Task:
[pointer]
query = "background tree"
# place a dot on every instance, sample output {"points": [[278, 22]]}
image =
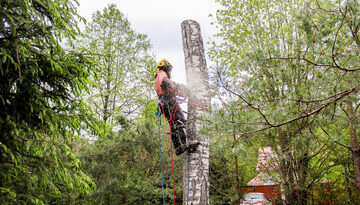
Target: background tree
{"points": [[232, 162], [125, 71], [124, 162], [40, 105], [297, 62], [125, 165]]}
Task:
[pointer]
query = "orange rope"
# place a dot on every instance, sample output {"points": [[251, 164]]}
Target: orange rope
{"points": [[172, 156]]}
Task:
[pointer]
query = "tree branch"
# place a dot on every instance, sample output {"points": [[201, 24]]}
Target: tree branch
{"points": [[243, 99], [310, 62], [308, 114]]}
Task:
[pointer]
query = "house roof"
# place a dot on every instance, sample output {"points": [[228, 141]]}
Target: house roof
{"points": [[265, 162], [266, 159]]}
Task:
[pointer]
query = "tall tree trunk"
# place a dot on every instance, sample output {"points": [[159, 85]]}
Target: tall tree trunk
{"points": [[286, 169], [106, 112], [347, 173], [355, 149], [196, 176], [237, 177], [236, 161], [303, 166], [108, 80]]}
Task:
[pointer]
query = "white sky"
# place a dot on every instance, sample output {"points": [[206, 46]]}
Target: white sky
{"points": [[160, 20]]}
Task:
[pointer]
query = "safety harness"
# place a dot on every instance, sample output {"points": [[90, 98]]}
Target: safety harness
{"points": [[172, 113]]}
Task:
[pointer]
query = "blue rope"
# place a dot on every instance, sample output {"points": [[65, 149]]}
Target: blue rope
{"points": [[162, 177], [187, 200]]}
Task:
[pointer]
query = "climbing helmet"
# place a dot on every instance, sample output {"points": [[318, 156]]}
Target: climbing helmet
{"points": [[164, 65]]}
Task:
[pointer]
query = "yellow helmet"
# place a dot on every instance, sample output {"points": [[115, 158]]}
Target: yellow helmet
{"points": [[164, 65]]}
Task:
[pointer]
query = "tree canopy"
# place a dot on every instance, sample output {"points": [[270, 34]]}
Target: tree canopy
{"points": [[40, 106], [290, 68], [125, 65]]}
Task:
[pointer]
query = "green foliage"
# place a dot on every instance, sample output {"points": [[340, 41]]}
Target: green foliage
{"points": [[125, 70], [126, 168], [40, 104], [287, 68], [232, 162], [224, 173], [123, 161]]}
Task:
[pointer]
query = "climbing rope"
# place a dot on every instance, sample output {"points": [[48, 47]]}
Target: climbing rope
{"points": [[162, 176], [188, 179], [172, 113], [172, 166], [172, 156]]}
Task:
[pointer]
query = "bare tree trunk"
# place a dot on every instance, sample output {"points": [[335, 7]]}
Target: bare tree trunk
{"points": [[236, 161], [106, 112], [106, 101], [237, 177], [196, 178], [286, 169], [355, 149], [303, 166]]}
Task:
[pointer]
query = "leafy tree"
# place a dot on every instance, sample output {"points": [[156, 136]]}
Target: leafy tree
{"points": [[125, 71], [125, 165], [40, 105], [297, 62], [232, 163]]}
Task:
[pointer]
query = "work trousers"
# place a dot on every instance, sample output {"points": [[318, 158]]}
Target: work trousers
{"points": [[173, 113]]}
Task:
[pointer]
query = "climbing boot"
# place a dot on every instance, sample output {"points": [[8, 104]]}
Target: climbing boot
{"points": [[179, 150], [191, 147], [193, 144]]}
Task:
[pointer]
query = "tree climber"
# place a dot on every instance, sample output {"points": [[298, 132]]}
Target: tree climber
{"points": [[167, 90]]}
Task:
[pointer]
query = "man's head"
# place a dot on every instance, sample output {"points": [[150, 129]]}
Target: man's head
{"points": [[165, 66]]}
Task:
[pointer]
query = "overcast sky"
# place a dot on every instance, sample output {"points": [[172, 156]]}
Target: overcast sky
{"points": [[160, 20]]}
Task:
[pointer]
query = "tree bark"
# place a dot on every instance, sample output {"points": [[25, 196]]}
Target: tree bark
{"points": [[196, 176], [355, 149], [286, 169], [303, 166], [237, 177], [236, 161]]}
